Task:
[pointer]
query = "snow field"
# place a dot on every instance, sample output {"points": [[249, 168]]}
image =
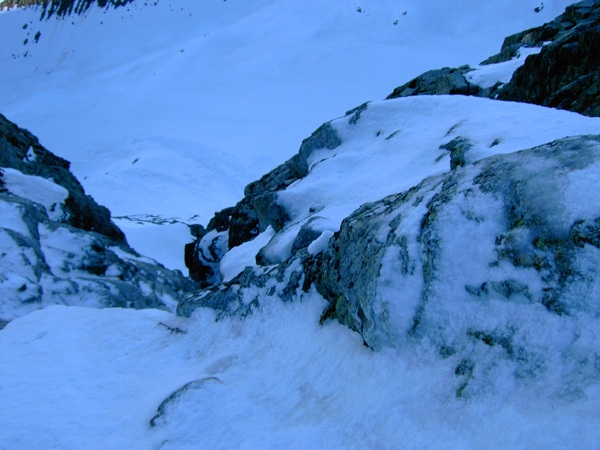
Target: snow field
{"points": [[277, 379]]}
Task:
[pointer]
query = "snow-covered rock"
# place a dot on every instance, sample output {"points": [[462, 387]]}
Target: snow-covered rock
{"points": [[552, 65], [496, 261], [57, 246], [485, 233], [381, 148], [565, 73]]}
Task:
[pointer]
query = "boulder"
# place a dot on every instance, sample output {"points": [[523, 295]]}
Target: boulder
{"points": [[506, 246], [444, 81], [475, 259]]}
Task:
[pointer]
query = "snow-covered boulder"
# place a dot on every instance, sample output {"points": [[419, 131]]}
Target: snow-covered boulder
{"points": [[494, 265], [499, 258], [57, 246], [22, 151]]}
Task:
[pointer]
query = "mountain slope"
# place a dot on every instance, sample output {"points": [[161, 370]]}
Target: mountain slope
{"points": [[422, 273], [182, 84]]}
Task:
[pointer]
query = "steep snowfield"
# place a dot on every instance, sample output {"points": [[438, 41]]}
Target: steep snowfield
{"points": [[249, 78]]}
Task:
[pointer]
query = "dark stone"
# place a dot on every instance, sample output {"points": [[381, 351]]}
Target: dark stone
{"points": [[438, 82], [458, 148], [306, 236], [566, 73], [323, 137], [220, 220], [197, 230], [83, 212]]}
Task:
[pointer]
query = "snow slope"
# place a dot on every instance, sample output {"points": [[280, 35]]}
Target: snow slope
{"points": [[276, 380], [171, 82]]}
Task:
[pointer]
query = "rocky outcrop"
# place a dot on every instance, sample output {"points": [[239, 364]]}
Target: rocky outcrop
{"points": [[57, 246], [258, 209], [64, 7], [505, 246], [21, 150], [564, 75], [444, 81]]}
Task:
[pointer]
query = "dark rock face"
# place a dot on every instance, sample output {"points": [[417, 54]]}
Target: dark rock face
{"points": [[64, 7], [259, 208], [57, 246], [21, 150], [566, 73], [444, 81]]}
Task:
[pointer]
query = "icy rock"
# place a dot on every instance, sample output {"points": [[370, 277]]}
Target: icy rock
{"points": [[438, 82], [504, 249]]}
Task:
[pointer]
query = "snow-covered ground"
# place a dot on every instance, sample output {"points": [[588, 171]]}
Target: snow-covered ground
{"points": [[167, 112], [194, 100], [84, 378]]}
